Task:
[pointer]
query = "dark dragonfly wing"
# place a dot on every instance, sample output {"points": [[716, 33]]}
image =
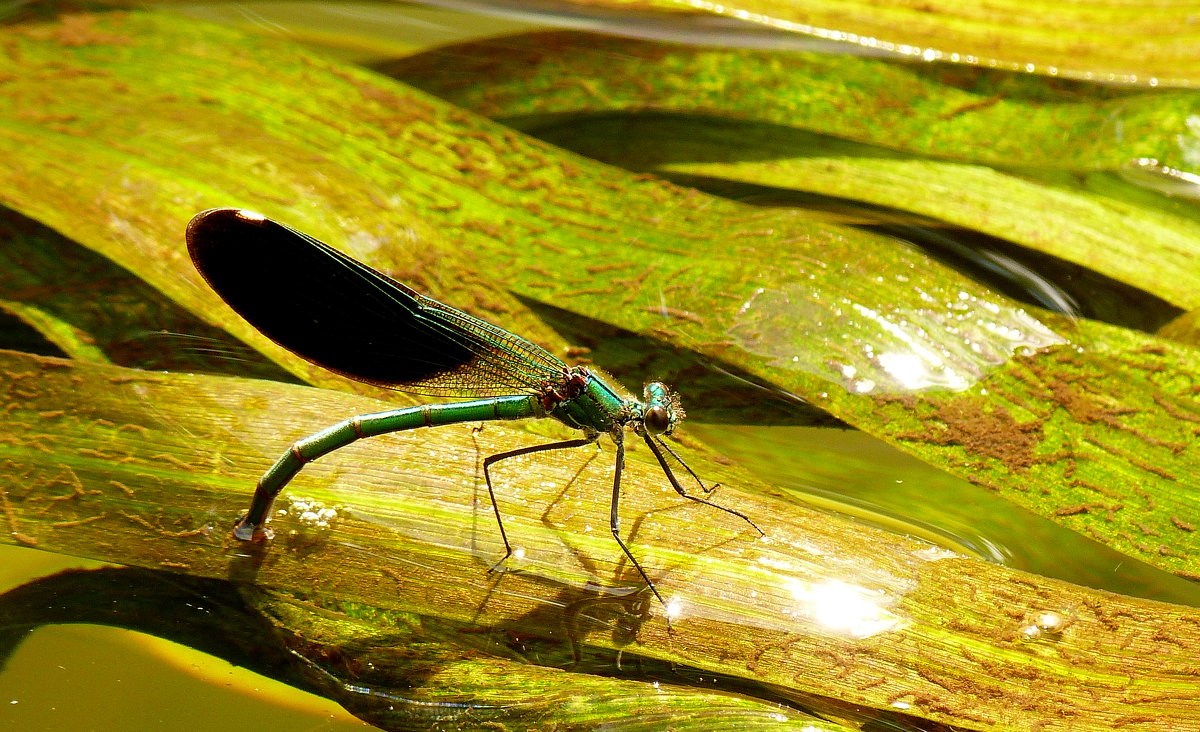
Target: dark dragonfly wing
{"points": [[344, 316]]}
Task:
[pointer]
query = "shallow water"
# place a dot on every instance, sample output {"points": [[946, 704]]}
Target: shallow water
{"points": [[92, 677], [857, 475]]}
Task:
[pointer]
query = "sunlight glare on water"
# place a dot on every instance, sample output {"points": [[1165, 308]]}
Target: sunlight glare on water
{"points": [[951, 343], [845, 609], [1177, 178]]}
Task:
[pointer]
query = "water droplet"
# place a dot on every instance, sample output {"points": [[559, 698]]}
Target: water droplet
{"points": [[1050, 622]]}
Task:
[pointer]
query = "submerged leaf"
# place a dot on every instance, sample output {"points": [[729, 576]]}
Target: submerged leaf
{"points": [[930, 110], [1056, 213], [1103, 40], [150, 470]]}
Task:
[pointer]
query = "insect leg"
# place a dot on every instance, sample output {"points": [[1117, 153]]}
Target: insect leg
{"points": [[493, 459], [662, 461], [614, 519]]}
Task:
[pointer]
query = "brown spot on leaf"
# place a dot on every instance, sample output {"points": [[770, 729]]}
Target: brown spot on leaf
{"points": [[78, 30], [1181, 524], [1077, 509], [987, 430]]}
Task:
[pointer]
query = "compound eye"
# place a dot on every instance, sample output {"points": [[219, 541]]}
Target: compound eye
{"points": [[657, 420]]}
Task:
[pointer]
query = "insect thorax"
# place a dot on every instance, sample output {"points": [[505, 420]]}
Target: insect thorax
{"points": [[581, 400]]}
